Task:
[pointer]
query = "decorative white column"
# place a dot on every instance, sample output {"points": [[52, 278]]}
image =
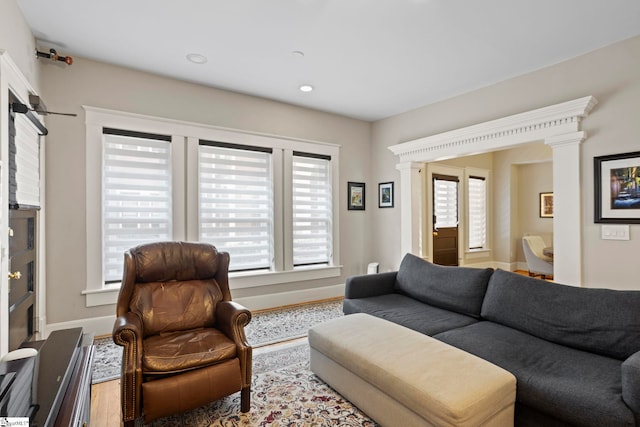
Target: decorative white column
{"points": [[557, 125], [411, 203], [567, 207]]}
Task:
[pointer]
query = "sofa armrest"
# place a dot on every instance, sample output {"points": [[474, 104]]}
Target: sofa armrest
{"points": [[370, 285], [631, 382]]}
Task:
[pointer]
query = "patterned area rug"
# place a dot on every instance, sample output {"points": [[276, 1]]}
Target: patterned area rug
{"points": [[284, 324], [266, 328], [292, 396]]}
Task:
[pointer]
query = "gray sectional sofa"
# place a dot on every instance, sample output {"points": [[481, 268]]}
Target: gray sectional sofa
{"points": [[575, 352]]}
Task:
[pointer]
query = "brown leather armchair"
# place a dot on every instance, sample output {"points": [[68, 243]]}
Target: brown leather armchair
{"points": [[183, 337]]}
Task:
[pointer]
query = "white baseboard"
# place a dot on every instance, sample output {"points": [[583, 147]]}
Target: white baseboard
{"points": [[104, 325], [507, 266], [484, 264], [96, 325], [280, 299]]}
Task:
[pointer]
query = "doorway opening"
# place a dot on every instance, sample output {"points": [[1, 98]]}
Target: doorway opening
{"points": [[445, 219]]}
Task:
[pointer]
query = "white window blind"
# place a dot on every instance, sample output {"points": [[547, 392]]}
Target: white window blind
{"points": [[136, 195], [312, 210], [236, 203], [445, 203], [477, 212], [27, 158]]}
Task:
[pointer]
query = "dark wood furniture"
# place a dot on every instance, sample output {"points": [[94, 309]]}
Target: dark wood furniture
{"points": [[54, 387]]}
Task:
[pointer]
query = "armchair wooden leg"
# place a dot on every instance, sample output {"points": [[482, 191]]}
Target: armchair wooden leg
{"points": [[245, 399]]}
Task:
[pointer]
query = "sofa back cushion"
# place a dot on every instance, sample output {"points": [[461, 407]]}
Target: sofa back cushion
{"points": [[601, 321], [459, 289]]}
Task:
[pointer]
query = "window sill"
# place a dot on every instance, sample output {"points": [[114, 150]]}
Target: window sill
{"points": [[108, 296], [103, 296], [477, 253], [255, 279]]}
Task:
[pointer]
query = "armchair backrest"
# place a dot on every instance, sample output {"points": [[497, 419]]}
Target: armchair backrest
{"points": [[174, 286], [535, 244]]}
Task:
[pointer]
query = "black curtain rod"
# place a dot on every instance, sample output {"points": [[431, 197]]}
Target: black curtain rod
{"points": [[18, 107]]}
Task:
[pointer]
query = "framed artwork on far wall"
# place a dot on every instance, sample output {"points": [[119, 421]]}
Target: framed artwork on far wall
{"points": [[385, 195], [546, 205], [617, 188], [355, 192]]}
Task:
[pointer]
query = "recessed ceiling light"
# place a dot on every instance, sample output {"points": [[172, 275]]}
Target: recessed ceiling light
{"points": [[306, 88], [196, 58]]}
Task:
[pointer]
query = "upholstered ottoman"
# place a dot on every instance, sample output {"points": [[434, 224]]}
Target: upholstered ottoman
{"points": [[400, 377]]}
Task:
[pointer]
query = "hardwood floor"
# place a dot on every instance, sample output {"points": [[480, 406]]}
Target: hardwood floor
{"points": [[105, 404]]}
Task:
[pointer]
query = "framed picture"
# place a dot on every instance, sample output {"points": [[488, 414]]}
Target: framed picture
{"points": [[355, 191], [546, 205], [617, 188], [385, 195]]}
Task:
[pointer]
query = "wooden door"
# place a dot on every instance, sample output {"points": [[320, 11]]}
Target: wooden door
{"points": [[22, 276], [445, 220]]}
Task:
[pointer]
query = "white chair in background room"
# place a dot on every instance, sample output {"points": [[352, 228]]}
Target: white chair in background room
{"points": [[538, 263]]}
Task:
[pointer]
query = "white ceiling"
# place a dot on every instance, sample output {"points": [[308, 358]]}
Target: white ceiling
{"points": [[367, 59]]}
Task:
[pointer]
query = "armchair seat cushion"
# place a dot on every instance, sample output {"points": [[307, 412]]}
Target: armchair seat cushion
{"points": [[184, 350]]}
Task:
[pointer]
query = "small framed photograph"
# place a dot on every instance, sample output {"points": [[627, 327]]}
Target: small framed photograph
{"points": [[546, 205], [385, 195], [355, 191], [617, 188]]}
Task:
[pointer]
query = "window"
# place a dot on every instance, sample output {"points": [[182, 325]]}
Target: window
{"points": [[24, 164], [312, 210], [136, 196], [445, 201], [236, 203], [477, 214], [268, 201]]}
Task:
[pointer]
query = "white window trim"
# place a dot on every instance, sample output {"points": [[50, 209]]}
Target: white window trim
{"points": [[186, 135], [486, 174]]}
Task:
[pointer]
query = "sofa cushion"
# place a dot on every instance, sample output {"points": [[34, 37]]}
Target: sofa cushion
{"points": [[460, 289], [408, 312], [577, 387], [602, 321]]}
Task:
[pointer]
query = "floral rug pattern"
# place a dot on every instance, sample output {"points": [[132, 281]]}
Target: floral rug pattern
{"points": [[287, 323], [292, 396]]}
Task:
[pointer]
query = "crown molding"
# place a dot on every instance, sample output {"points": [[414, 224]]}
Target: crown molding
{"points": [[539, 124]]}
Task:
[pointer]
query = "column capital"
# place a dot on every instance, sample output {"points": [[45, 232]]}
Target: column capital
{"points": [[566, 139], [409, 166]]}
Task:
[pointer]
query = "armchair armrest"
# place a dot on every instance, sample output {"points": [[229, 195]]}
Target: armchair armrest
{"points": [[231, 318], [128, 332], [370, 285], [127, 329], [631, 382]]}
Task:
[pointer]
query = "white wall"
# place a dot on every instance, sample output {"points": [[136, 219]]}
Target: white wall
{"points": [[610, 74], [16, 38], [97, 84]]}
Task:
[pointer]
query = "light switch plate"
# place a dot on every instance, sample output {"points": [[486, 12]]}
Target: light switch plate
{"points": [[615, 232]]}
